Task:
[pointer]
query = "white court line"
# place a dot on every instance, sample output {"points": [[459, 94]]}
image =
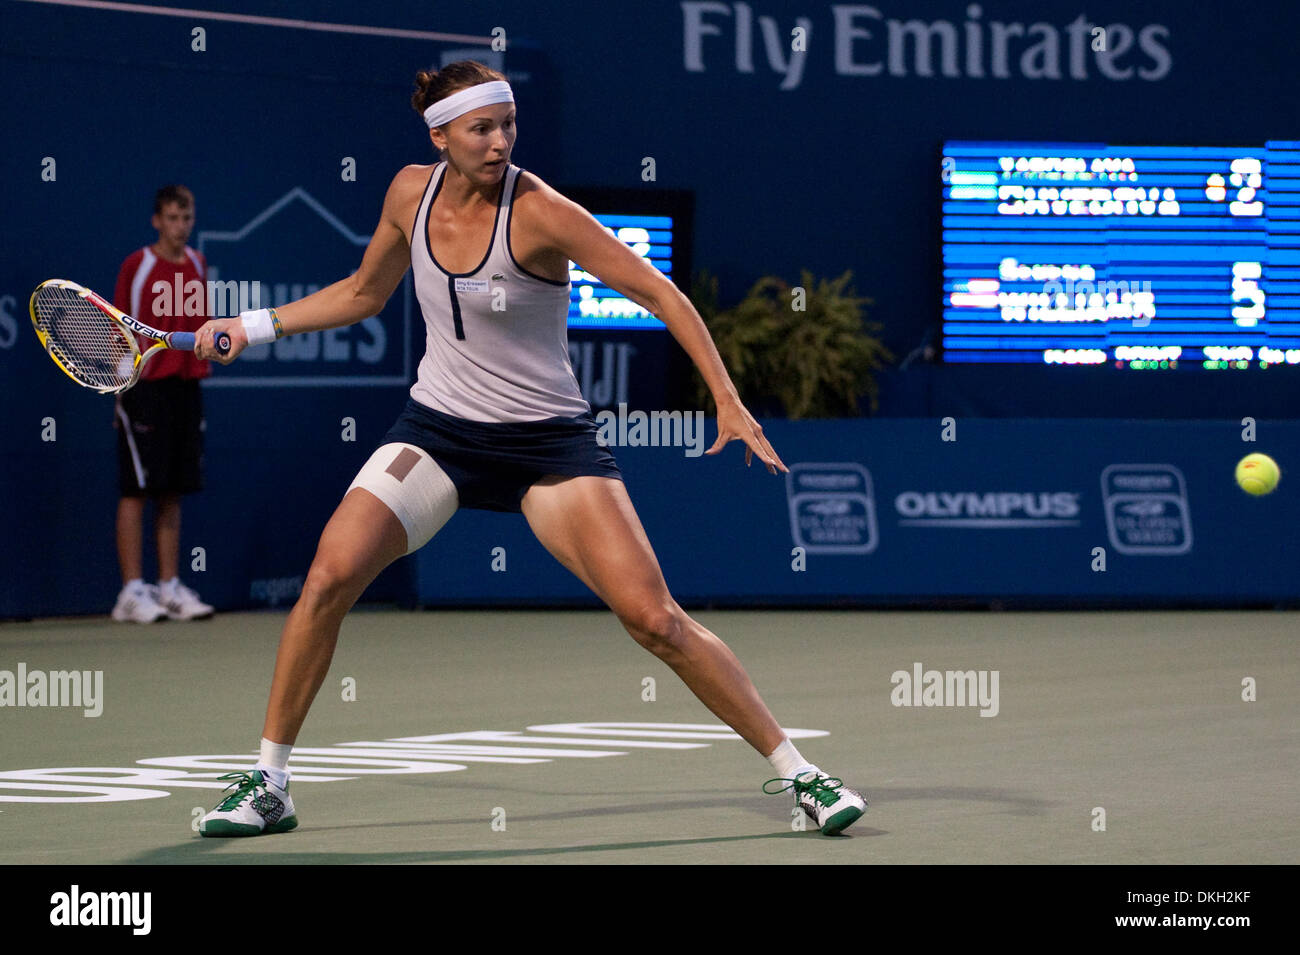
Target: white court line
{"points": [[267, 21]]}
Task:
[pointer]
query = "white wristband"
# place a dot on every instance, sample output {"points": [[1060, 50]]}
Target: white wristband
{"points": [[258, 327]]}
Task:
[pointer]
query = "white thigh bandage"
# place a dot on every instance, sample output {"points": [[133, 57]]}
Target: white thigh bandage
{"points": [[414, 488]]}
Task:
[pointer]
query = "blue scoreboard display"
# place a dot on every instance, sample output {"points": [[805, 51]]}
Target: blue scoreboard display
{"points": [[1134, 256], [592, 304]]}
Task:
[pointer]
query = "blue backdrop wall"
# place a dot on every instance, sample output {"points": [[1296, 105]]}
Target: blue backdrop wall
{"points": [[825, 159], [906, 511]]}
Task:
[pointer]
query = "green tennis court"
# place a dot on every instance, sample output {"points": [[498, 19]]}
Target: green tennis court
{"points": [[1139, 715]]}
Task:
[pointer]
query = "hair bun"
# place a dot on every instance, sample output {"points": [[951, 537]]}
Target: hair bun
{"points": [[433, 85]]}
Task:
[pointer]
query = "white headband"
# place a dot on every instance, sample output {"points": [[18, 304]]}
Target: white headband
{"points": [[462, 101]]}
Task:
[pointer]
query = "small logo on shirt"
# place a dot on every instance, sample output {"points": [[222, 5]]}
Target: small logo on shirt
{"points": [[498, 277], [472, 285]]}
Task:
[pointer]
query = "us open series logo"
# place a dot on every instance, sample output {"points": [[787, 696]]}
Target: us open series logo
{"points": [[1146, 507], [832, 508]]}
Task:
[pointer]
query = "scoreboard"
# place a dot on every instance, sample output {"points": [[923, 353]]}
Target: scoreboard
{"points": [[656, 225], [592, 303], [1133, 256]]}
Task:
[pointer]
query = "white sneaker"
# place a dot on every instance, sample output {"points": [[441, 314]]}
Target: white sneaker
{"points": [[179, 602], [137, 604], [256, 807], [827, 801]]}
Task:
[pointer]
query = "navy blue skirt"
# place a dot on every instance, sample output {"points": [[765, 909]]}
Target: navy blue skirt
{"points": [[493, 463]]}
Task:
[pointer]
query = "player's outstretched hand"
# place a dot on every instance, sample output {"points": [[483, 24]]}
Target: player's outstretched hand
{"points": [[734, 421], [204, 346]]}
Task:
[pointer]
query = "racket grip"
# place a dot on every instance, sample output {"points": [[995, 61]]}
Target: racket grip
{"points": [[185, 341]]}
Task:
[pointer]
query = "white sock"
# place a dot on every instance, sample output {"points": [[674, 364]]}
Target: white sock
{"points": [[168, 584], [274, 762], [787, 761], [134, 583]]}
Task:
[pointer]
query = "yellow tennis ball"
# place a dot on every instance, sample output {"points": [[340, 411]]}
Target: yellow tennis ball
{"points": [[1258, 474]]}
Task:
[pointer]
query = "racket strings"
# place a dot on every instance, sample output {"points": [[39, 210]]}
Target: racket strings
{"points": [[92, 347]]}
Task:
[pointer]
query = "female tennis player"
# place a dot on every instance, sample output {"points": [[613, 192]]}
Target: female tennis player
{"points": [[496, 421]]}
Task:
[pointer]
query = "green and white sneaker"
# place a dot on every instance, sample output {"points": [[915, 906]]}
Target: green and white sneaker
{"points": [[257, 807], [826, 800]]}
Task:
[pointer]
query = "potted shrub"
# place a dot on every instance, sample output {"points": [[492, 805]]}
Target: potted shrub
{"points": [[805, 351]]}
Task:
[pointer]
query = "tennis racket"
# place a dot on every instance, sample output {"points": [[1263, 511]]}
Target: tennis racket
{"points": [[93, 342]]}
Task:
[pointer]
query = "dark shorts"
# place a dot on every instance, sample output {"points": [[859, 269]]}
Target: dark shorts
{"points": [[160, 438], [493, 464]]}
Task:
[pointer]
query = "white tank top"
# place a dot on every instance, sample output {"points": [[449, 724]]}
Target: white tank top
{"points": [[508, 363]]}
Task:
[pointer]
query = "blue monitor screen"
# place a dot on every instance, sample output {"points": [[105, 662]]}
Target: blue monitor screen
{"points": [[592, 304], [1133, 256]]}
